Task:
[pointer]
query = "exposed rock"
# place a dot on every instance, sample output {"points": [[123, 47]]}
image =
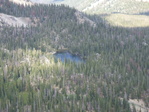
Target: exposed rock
{"points": [[82, 19], [139, 105], [22, 2], [45, 60], [9, 20]]}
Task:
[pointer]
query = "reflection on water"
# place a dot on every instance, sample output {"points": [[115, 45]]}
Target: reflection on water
{"points": [[63, 56]]}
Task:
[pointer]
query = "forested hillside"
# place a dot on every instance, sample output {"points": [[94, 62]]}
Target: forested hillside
{"points": [[116, 68], [104, 6], [123, 13]]}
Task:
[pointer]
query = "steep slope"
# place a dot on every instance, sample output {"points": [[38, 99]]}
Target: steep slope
{"points": [[128, 13], [124, 10], [119, 6], [104, 6], [12, 17]]}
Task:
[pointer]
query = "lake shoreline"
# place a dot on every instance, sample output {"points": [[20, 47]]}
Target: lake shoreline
{"points": [[66, 50], [67, 55]]}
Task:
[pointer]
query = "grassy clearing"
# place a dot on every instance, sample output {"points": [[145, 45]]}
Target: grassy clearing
{"points": [[124, 20]]}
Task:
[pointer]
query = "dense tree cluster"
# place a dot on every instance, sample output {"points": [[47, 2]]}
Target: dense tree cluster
{"points": [[116, 67]]}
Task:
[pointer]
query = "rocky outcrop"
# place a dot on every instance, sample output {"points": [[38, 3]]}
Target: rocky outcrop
{"points": [[9, 20]]}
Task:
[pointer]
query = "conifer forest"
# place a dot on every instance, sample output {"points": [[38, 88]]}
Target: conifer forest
{"points": [[115, 68]]}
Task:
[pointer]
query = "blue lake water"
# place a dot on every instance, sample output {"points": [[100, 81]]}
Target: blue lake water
{"points": [[63, 56]]}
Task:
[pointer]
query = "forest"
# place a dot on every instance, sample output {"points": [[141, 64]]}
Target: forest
{"points": [[32, 80]]}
